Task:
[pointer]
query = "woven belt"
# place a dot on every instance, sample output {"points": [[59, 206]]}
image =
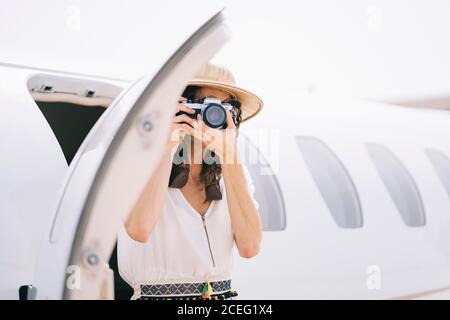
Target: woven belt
{"points": [[222, 296], [174, 289]]}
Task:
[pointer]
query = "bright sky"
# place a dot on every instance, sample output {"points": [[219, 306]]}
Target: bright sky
{"points": [[381, 50], [375, 49]]}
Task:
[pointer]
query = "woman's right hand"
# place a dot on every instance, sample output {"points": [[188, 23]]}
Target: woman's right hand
{"points": [[181, 124]]}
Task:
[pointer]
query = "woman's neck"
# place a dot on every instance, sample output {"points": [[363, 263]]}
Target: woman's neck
{"points": [[194, 172]]}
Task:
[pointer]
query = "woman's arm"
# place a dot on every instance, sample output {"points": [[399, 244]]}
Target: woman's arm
{"points": [[245, 220], [146, 211]]}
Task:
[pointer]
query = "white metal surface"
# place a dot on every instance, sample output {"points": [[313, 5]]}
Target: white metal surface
{"points": [[32, 171], [313, 257]]}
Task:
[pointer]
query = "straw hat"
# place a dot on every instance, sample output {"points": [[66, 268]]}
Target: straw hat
{"points": [[211, 75]]}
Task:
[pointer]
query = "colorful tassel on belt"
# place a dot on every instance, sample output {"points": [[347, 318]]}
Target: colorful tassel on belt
{"points": [[207, 290]]}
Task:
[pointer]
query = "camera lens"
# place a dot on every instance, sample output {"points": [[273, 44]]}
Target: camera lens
{"points": [[214, 115]]}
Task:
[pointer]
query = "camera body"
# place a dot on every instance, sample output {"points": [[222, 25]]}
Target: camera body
{"points": [[211, 109]]}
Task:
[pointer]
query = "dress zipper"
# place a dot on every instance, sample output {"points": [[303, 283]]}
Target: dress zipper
{"points": [[207, 237]]}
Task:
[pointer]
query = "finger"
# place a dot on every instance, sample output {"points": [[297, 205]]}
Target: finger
{"points": [[230, 122], [177, 134], [199, 123], [181, 107], [183, 118], [199, 128], [183, 129], [187, 128], [182, 99], [209, 134]]}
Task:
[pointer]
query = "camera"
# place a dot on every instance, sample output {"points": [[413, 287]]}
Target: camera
{"points": [[211, 109]]}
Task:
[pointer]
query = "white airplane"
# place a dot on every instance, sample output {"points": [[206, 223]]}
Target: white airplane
{"points": [[354, 195], [358, 207]]}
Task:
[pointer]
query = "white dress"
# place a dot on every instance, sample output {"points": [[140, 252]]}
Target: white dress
{"points": [[183, 246]]}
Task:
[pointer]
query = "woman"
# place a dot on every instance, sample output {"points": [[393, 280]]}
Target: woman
{"points": [[178, 240]]}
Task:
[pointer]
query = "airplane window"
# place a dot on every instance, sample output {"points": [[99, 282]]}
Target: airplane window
{"points": [[267, 192], [441, 164], [334, 182], [399, 183]]}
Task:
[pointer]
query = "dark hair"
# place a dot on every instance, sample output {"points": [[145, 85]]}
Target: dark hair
{"points": [[211, 170]]}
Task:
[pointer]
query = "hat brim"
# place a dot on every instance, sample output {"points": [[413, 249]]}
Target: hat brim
{"points": [[251, 104]]}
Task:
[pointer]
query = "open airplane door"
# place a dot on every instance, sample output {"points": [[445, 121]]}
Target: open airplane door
{"points": [[112, 166]]}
